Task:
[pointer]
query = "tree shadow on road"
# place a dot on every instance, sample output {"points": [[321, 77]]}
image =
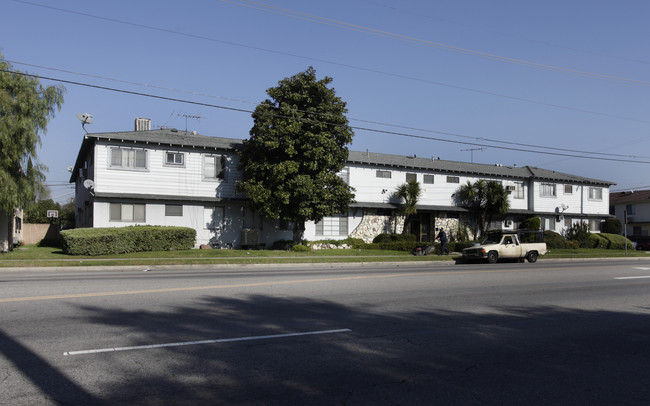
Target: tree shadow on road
{"points": [[513, 355]]}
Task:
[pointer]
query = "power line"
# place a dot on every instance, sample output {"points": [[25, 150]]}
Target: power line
{"points": [[405, 38], [349, 66], [374, 130], [350, 118], [507, 34]]}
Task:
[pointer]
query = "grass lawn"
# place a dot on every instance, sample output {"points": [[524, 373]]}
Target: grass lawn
{"points": [[34, 256]]}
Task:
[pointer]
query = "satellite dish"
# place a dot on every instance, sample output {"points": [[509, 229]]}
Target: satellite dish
{"points": [[89, 184], [85, 118]]}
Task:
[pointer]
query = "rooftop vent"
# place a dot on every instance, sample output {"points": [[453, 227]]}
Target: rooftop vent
{"points": [[142, 124]]}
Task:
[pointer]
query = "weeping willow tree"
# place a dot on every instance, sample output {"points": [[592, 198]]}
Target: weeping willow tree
{"points": [[26, 106]]}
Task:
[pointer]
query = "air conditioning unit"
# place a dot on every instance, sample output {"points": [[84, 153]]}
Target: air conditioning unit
{"points": [[560, 218], [250, 237], [510, 188], [508, 223]]}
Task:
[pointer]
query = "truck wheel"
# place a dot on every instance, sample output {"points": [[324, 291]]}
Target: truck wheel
{"points": [[492, 257], [532, 256]]}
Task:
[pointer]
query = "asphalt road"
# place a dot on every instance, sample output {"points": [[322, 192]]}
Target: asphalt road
{"points": [[549, 333]]}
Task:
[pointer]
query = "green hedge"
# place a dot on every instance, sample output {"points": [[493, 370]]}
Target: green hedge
{"points": [[554, 240], [608, 241], [388, 238], [121, 240]]}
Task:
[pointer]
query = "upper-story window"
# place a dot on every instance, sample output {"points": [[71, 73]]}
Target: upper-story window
{"points": [[214, 166], [384, 174], [453, 179], [411, 177], [516, 190], [427, 179], [548, 190], [568, 189], [174, 158], [631, 209], [128, 158], [595, 193]]}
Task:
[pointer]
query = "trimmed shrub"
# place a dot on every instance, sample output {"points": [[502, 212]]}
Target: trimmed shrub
{"points": [[121, 240], [554, 240], [387, 238], [612, 226], [300, 248], [531, 223], [572, 244], [608, 241]]}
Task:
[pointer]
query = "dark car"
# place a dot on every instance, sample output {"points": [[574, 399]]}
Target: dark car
{"points": [[642, 243]]}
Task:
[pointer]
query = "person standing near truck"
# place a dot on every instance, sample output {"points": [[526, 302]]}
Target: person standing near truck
{"points": [[442, 236]]}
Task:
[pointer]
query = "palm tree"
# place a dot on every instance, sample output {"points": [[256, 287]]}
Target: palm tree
{"points": [[409, 192], [485, 200]]}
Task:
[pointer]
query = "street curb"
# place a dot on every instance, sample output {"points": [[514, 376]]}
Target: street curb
{"points": [[320, 265]]}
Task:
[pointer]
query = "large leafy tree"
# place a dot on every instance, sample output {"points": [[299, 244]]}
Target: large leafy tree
{"points": [[409, 193], [26, 106], [297, 146], [485, 200]]}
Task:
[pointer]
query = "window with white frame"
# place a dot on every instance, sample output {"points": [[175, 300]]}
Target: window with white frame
{"points": [[548, 190], [453, 179], [213, 218], [518, 193], [595, 193], [332, 226], [128, 158], [127, 212], [384, 174], [428, 179], [214, 166], [174, 210], [411, 176], [568, 189], [174, 158]]}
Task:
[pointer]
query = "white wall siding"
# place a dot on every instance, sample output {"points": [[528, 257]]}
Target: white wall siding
{"points": [[164, 180]]}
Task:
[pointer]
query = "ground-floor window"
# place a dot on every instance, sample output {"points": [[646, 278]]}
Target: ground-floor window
{"points": [[332, 226], [127, 212], [594, 225]]}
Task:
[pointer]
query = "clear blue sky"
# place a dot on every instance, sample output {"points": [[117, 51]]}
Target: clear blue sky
{"points": [[558, 77]]}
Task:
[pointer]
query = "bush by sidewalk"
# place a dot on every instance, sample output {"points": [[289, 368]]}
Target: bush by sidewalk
{"points": [[106, 241]]}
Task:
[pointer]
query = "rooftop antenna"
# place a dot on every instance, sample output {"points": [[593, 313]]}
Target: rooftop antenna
{"points": [[471, 150], [195, 117], [85, 118]]}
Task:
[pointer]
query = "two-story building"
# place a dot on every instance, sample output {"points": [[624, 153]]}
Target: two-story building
{"points": [[171, 177], [633, 209]]}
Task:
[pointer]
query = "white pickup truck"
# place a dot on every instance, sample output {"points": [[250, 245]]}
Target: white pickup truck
{"points": [[504, 244]]}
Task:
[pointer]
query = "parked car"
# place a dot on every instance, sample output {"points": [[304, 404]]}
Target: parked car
{"points": [[642, 243]]}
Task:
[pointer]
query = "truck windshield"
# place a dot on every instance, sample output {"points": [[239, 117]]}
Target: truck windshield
{"points": [[492, 239]]}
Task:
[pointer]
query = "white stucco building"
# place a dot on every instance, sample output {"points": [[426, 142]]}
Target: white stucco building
{"points": [[170, 177]]}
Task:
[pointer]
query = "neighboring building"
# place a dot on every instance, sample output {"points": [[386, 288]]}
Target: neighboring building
{"points": [[11, 230], [170, 177], [636, 204]]}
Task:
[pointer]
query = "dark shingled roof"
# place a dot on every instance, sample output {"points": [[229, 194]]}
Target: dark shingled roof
{"points": [[465, 168], [176, 138], [637, 196]]}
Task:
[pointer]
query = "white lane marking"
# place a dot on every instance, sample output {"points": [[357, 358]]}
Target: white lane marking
{"points": [[633, 277], [643, 269], [218, 340]]}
